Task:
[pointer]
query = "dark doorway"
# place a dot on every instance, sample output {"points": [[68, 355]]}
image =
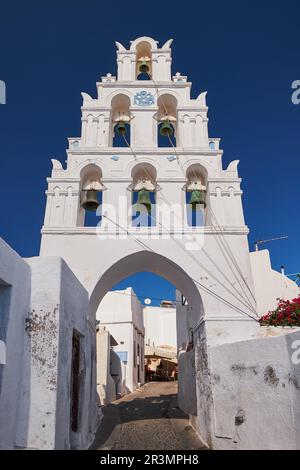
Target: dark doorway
{"points": [[75, 381]]}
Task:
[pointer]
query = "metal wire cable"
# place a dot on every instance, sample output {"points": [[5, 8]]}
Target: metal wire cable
{"points": [[195, 259], [204, 288], [231, 255]]}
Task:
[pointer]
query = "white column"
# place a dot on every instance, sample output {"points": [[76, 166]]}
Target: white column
{"points": [[47, 220], [143, 131]]}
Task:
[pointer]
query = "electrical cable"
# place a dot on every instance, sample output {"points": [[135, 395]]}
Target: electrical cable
{"points": [[231, 255], [206, 289], [192, 256]]}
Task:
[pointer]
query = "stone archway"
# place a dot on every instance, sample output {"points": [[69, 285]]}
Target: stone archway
{"points": [[191, 323], [157, 264]]}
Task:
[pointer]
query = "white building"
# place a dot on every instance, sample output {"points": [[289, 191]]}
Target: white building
{"points": [[122, 315], [47, 383], [160, 325]]}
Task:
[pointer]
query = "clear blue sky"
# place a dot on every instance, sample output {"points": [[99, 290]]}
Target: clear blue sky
{"points": [[245, 54]]}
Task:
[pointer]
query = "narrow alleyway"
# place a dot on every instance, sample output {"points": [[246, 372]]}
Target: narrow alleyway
{"points": [[147, 419]]}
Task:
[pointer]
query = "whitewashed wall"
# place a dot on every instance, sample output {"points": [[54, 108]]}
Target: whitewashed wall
{"points": [[160, 326], [15, 371], [255, 393], [106, 386], [59, 304], [269, 284]]}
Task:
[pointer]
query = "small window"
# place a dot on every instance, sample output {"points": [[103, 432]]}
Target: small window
{"points": [[75, 381], [212, 145], [123, 355]]}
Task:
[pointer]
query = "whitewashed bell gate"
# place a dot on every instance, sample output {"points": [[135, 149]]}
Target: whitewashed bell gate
{"points": [[147, 141]]}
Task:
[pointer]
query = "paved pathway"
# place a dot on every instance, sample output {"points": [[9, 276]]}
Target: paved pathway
{"points": [[146, 419]]}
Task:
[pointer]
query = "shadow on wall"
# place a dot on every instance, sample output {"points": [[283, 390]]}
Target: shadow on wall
{"points": [[118, 372], [115, 386]]}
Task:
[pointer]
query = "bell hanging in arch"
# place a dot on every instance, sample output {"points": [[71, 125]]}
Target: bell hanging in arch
{"points": [[91, 202], [166, 129], [121, 128], [144, 199], [143, 66], [197, 199]]}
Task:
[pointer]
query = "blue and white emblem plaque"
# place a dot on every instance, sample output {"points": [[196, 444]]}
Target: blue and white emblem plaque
{"points": [[143, 98]]}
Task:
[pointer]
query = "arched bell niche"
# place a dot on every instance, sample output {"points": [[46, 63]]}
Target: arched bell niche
{"points": [[143, 195], [195, 195], [91, 196], [167, 120]]}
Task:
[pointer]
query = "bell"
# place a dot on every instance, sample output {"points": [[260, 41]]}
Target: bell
{"points": [[144, 199], [91, 202], [121, 128], [166, 129], [144, 67], [197, 199]]}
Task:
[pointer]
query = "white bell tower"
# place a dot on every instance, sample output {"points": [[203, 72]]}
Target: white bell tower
{"points": [[144, 138]]}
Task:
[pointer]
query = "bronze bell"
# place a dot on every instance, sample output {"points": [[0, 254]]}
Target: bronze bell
{"points": [[197, 199], [121, 128], [166, 129], [144, 199], [91, 202], [144, 67]]}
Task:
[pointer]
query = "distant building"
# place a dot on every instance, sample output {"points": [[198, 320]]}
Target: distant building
{"points": [[160, 325], [122, 315]]}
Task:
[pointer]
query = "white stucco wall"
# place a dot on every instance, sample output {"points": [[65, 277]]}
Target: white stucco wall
{"points": [[59, 304], [249, 391], [106, 386], [187, 393], [269, 284], [256, 393], [15, 372], [122, 315], [160, 326]]}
